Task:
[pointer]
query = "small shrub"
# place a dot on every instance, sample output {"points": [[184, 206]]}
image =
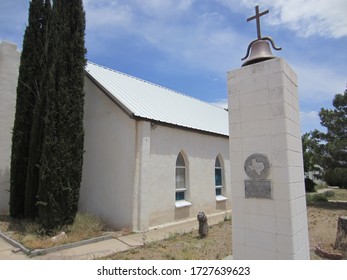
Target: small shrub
{"points": [[227, 218], [319, 197], [336, 177], [85, 226], [329, 193], [309, 185]]}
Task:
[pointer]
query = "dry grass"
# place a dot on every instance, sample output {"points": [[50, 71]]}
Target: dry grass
{"points": [[339, 194], [187, 246], [28, 233]]}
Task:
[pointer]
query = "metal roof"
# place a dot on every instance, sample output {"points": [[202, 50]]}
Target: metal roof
{"points": [[146, 100]]}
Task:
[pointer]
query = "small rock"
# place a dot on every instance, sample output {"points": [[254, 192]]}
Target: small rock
{"points": [[16, 250], [327, 255], [60, 237]]}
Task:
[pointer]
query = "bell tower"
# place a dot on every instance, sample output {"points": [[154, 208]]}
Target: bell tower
{"points": [[259, 49], [269, 219]]}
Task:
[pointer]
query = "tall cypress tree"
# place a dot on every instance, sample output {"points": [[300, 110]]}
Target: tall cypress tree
{"points": [[28, 89], [62, 150], [36, 135]]}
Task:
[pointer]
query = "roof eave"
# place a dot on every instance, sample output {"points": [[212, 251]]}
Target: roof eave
{"points": [[180, 126], [109, 95]]}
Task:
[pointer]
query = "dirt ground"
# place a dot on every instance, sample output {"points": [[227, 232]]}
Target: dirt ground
{"points": [[322, 226], [188, 246], [322, 219]]}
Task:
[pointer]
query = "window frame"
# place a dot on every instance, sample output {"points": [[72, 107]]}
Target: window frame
{"points": [[219, 188], [181, 189]]}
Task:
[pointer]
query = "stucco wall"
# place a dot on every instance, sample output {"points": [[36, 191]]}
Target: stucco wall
{"points": [[129, 167], [109, 159], [200, 152], [9, 68]]}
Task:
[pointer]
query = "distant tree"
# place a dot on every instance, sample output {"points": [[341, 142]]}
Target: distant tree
{"points": [[28, 89], [331, 149], [309, 150], [62, 150]]}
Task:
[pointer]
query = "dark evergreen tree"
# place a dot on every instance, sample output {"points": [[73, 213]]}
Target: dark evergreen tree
{"points": [[28, 89], [62, 150], [36, 135]]}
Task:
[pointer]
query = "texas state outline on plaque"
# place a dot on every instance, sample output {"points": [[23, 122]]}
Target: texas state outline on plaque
{"points": [[257, 167]]}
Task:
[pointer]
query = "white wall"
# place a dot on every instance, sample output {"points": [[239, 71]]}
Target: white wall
{"points": [[200, 151], [129, 167], [109, 159], [9, 68]]}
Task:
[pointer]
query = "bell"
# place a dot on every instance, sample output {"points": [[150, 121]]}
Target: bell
{"points": [[260, 51]]}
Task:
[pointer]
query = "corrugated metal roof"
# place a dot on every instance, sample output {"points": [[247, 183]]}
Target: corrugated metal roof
{"points": [[150, 101]]}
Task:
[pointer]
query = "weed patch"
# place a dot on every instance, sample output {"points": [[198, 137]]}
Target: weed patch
{"points": [[30, 234]]}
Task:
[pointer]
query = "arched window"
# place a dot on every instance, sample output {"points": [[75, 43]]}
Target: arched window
{"points": [[181, 182], [218, 176]]}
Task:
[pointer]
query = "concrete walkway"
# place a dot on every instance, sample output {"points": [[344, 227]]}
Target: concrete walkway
{"points": [[106, 247], [6, 252]]}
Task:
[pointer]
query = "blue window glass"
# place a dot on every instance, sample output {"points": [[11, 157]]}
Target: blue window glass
{"points": [[218, 191], [218, 176], [180, 195], [180, 177]]}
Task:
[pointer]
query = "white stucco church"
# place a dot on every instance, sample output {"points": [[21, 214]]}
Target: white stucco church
{"points": [[153, 156]]}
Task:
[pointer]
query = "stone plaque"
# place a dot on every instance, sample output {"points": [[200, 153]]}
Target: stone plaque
{"points": [[257, 167], [258, 189]]}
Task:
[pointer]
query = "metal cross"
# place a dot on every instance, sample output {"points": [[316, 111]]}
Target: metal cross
{"points": [[257, 18]]}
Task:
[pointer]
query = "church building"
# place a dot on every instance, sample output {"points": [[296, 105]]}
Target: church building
{"points": [[9, 69], [152, 157]]}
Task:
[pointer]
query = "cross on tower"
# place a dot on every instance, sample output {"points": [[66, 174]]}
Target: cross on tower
{"points": [[257, 18]]}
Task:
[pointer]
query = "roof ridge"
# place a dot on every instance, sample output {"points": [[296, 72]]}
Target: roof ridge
{"points": [[154, 84]]}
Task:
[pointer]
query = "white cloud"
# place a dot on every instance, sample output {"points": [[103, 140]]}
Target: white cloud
{"points": [[103, 16], [325, 18], [201, 40], [318, 84], [312, 17], [309, 121], [158, 7], [310, 115], [223, 103]]}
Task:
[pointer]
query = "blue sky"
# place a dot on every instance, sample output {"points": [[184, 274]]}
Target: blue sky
{"points": [[189, 45]]}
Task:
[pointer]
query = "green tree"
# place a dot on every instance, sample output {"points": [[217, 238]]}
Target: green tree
{"points": [[28, 89], [62, 150], [331, 150], [309, 146], [36, 134], [309, 150]]}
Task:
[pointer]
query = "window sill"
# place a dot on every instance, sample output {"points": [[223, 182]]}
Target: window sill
{"points": [[182, 203], [221, 198]]}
